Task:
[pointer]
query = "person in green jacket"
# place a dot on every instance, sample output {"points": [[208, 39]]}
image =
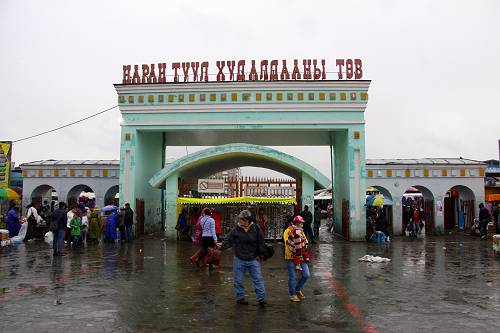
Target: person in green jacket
{"points": [[76, 227]]}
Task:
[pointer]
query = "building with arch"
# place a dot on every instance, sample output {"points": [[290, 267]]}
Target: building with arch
{"points": [[451, 188], [66, 179]]}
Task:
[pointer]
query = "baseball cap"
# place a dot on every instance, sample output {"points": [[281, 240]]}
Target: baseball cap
{"points": [[298, 219]]}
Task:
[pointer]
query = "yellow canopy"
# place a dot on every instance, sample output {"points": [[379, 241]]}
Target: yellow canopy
{"points": [[200, 201]]}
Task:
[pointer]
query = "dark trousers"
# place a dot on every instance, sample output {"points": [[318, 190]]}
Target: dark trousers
{"points": [[30, 231], [316, 229], [206, 242], [128, 229], [54, 241], [483, 226], [309, 231]]}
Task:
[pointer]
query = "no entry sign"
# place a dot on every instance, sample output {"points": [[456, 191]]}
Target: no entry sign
{"points": [[211, 185]]}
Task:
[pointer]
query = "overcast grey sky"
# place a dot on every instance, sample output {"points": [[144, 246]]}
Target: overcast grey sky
{"points": [[434, 66]]}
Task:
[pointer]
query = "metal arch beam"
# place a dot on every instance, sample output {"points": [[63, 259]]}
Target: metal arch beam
{"points": [[219, 158]]}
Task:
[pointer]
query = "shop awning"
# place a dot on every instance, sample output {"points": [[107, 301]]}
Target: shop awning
{"points": [[222, 201], [493, 197]]}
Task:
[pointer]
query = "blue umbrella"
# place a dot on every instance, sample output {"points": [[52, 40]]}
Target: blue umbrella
{"points": [[109, 208], [369, 200]]}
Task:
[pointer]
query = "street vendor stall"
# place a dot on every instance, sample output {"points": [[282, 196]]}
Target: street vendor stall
{"points": [[6, 196]]}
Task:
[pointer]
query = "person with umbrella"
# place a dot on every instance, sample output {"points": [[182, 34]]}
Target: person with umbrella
{"points": [[13, 224]]}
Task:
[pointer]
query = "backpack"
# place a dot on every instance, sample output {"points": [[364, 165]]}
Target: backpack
{"points": [[268, 248]]}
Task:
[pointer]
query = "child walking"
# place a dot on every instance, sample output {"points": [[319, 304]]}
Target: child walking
{"points": [[76, 227], [297, 243]]}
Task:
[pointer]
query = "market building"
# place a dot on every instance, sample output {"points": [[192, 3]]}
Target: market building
{"points": [[65, 180], [450, 190]]}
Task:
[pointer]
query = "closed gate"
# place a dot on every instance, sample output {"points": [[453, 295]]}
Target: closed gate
{"points": [[139, 213], [345, 219]]}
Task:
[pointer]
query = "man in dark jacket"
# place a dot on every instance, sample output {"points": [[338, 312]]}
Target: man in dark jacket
{"points": [[248, 246], [58, 226], [484, 218], [496, 221], [129, 221], [317, 220], [308, 218]]}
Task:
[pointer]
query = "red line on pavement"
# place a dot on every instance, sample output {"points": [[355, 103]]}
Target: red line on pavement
{"points": [[353, 309]]}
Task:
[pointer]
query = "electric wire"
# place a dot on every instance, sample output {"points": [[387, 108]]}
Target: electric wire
{"points": [[66, 125]]}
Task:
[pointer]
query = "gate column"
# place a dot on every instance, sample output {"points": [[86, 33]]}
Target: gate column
{"points": [[141, 155], [349, 180], [172, 192], [307, 197]]}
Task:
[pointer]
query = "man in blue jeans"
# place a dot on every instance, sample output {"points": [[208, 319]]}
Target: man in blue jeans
{"points": [[248, 248], [59, 221], [128, 221]]}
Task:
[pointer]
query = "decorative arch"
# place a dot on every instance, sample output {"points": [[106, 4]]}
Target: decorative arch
{"points": [[74, 193], [428, 209], [464, 192], [212, 160], [41, 193], [110, 194], [459, 208], [383, 190]]}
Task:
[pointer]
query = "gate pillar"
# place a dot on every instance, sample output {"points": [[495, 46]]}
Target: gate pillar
{"points": [[141, 155]]}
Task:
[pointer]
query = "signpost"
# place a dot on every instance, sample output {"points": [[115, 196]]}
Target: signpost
{"points": [[211, 185]]}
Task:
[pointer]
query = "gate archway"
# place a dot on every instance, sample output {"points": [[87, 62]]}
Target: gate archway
{"points": [[421, 198], [387, 208], [43, 193], [459, 208], [111, 196], [271, 113], [76, 192], [215, 159]]}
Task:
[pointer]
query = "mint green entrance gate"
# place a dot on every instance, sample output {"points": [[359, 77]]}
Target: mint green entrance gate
{"points": [[237, 118]]}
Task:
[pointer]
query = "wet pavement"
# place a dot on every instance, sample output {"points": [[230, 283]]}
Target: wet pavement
{"points": [[438, 284]]}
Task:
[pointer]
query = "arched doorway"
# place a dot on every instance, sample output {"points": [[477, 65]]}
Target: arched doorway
{"points": [[377, 209], [212, 160], [459, 205], [421, 199], [43, 194], [81, 194], [112, 196]]}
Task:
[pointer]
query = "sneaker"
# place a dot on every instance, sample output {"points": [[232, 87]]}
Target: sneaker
{"points": [[242, 301], [262, 303], [300, 295], [294, 298]]}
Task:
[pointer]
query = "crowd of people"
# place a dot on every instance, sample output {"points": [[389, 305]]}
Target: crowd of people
{"points": [[74, 226]]}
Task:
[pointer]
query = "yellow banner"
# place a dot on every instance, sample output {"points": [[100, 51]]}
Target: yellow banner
{"points": [[5, 154], [222, 201]]}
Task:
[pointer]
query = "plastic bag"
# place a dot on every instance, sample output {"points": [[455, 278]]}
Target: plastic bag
{"points": [[20, 236], [49, 237]]}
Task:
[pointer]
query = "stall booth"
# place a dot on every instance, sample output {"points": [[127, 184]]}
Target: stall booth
{"points": [[225, 211]]}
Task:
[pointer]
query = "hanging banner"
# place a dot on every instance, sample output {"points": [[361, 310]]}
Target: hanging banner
{"points": [[5, 156], [240, 200]]}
